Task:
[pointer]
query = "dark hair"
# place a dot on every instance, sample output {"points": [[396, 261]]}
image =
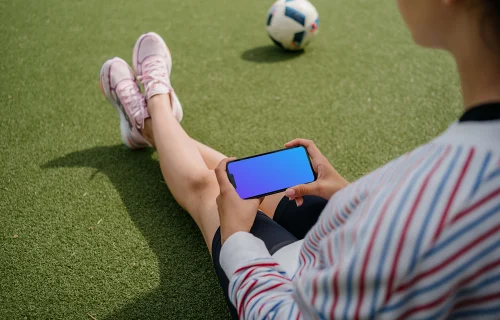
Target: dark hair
{"points": [[491, 23]]}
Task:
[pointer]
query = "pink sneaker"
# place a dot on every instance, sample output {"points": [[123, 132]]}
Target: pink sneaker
{"points": [[152, 63], [120, 88]]}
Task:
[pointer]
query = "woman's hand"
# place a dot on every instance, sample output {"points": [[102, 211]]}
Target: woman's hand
{"points": [[235, 213], [329, 180]]}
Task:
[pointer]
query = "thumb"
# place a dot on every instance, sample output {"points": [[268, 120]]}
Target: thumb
{"points": [[320, 170], [300, 191]]}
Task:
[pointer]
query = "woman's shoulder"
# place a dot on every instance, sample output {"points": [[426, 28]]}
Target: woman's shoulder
{"points": [[434, 172]]}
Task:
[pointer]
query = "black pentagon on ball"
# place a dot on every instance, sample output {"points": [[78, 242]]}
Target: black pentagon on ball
{"points": [[298, 37], [276, 42], [269, 19]]}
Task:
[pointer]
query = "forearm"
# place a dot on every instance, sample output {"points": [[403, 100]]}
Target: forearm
{"points": [[266, 293], [259, 287]]}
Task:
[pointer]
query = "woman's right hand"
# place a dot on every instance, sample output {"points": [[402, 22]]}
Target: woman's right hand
{"points": [[328, 182]]}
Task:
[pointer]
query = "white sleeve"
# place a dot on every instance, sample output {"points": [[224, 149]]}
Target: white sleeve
{"points": [[239, 248]]}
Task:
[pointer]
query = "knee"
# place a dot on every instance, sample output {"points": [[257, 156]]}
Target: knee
{"points": [[199, 193], [201, 183]]}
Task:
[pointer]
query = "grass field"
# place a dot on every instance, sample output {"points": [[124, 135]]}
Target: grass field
{"points": [[362, 91]]}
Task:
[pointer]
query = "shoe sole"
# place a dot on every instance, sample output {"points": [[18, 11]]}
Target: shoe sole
{"points": [[124, 125]]}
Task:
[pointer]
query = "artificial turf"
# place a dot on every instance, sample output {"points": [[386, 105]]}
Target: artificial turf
{"points": [[89, 227]]}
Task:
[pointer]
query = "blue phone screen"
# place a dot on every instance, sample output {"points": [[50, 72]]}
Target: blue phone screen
{"points": [[270, 172]]}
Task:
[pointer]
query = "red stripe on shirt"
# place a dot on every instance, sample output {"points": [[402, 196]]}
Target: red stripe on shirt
{"points": [[477, 300], [331, 225], [245, 296], [249, 273], [323, 230], [447, 262], [341, 245], [423, 307], [330, 252], [310, 252], [346, 209], [271, 264], [409, 219], [302, 260], [314, 289], [275, 275], [338, 216], [261, 292], [369, 249], [449, 292], [335, 293], [452, 196], [379, 222], [475, 206]]}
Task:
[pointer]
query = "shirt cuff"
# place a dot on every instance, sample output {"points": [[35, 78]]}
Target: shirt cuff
{"points": [[240, 248]]}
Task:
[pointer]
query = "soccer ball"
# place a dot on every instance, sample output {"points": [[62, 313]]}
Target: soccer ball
{"points": [[292, 24]]}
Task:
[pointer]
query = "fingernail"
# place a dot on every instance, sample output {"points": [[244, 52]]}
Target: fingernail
{"points": [[290, 193]]}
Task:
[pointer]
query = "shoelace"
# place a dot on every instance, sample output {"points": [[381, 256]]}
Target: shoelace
{"points": [[133, 100], [154, 69]]}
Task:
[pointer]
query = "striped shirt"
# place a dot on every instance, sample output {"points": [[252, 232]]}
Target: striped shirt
{"points": [[418, 238]]}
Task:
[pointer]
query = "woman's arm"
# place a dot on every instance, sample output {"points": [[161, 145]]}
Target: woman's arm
{"points": [[259, 287]]}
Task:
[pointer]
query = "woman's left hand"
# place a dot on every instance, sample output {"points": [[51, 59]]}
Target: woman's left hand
{"points": [[235, 213]]}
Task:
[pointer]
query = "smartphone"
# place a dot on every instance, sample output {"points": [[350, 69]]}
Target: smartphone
{"points": [[269, 173]]}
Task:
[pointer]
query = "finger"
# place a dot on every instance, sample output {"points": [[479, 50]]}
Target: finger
{"points": [[320, 170], [311, 147], [300, 190], [290, 193], [217, 201], [299, 201], [221, 174], [293, 143], [256, 202]]}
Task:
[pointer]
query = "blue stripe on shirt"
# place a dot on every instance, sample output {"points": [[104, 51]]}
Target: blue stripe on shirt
{"points": [[369, 224], [352, 266], [441, 312], [462, 294], [274, 308], [493, 175], [447, 278], [388, 237], [255, 303], [481, 173], [377, 280], [477, 312], [430, 212], [460, 232], [490, 281]]}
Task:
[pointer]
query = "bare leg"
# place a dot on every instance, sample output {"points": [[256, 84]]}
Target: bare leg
{"points": [[268, 206], [212, 158], [192, 184]]}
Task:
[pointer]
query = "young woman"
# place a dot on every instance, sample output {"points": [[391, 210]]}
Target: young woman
{"points": [[417, 238]]}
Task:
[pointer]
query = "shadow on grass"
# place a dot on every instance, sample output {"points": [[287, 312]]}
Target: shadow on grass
{"points": [[269, 54], [187, 280]]}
